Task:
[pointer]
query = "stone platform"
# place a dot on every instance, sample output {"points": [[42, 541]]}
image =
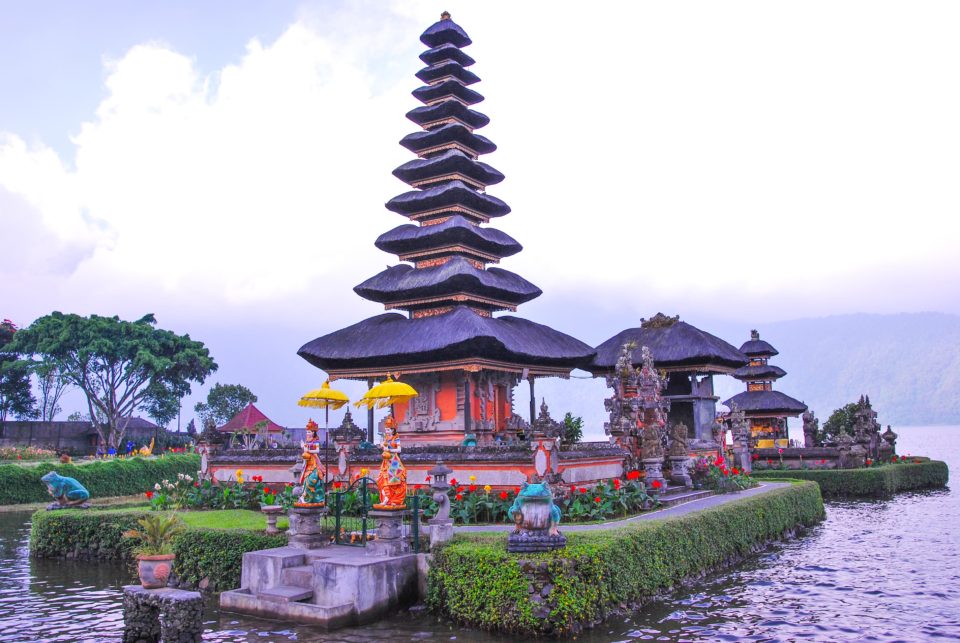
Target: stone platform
{"points": [[166, 614], [334, 586]]}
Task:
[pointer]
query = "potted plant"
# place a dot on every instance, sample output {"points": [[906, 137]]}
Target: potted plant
{"points": [[155, 551]]}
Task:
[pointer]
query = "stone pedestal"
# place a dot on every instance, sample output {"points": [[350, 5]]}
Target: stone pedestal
{"points": [[305, 530], [440, 531], [390, 540], [166, 614], [533, 528], [654, 469], [272, 512], [679, 470]]}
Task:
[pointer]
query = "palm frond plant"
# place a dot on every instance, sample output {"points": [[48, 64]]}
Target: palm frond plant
{"points": [[156, 534]]}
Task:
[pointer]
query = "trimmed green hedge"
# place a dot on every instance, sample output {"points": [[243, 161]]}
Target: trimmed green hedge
{"points": [[871, 482], [474, 581], [206, 558], [102, 479]]}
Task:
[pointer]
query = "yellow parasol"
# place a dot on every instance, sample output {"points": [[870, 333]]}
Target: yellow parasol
{"points": [[324, 398], [387, 393]]}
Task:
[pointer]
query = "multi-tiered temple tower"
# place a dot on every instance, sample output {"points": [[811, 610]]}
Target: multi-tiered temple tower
{"points": [[765, 409], [464, 361]]}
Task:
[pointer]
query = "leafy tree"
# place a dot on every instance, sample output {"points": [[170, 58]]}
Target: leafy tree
{"points": [[119, 365], [16, 395], [572, 429], [77, 416], [51, 384], [223, 402], [840, 421], [162, 403], [192, 429]]}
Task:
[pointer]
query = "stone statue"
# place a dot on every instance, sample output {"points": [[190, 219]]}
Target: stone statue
{"points": [[311, 478], [537, 520], [811, 429], [678, 439], [67, 492], [392, 480], [545, 426], [890, 438]]}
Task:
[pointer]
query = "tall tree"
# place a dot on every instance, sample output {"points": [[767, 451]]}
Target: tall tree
{"points": [[16, 394], [223, 402], [840, 421], [119, 365], [51, 384]]}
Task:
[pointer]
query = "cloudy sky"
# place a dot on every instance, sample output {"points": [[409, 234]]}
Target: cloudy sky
{"points": [[224, 164]]}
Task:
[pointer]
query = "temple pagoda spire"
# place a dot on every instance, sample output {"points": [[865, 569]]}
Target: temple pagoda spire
{"points": [[449, 344], [446, 243]]}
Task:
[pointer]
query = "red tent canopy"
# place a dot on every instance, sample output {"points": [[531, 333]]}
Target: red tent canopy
{"points": [[247, 419]]}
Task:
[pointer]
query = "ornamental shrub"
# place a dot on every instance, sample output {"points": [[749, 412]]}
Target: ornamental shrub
{"points": [[871, 482], [103, 478], [216, 555], [474, 581]]}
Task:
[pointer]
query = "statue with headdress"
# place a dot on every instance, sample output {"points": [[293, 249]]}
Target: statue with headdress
{"points": [[392, 479], [311, 478]]}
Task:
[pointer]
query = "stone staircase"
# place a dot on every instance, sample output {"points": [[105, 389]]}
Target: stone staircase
{"points": [[678, 495], [335, 586]]}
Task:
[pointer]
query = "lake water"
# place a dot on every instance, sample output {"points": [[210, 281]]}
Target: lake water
{"points": [[873, 571]]}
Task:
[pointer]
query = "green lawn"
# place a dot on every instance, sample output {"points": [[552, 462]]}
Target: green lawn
{"points": [[230, 519]]}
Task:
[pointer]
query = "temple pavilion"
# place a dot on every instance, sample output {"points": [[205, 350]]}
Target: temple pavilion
{"points": [[689, 356], [450, 340], [765, 409]]}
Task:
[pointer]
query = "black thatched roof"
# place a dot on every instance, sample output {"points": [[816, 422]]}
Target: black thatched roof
{"points": [[766, 372], [458, 275], [766, 402], [446, 31], [446, 52], [447, 195], [431, 93], [452, 133], [449, 68], [448, 109], [455, 230], [674, 346], [393, 340], [756, 347], [447, 163]]}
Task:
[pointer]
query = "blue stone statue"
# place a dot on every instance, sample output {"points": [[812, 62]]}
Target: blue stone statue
{"points": [[537, 519], [67, 492]]}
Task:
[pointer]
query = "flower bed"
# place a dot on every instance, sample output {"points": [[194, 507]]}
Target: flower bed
{"points": [[474, 581], [876, 481], [206, 558], [26, 454], [102, 479]]}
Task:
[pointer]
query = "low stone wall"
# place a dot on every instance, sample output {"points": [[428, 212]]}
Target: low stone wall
{"points": [[870, 482], [796, 458], [502, 467], [474, 581]]}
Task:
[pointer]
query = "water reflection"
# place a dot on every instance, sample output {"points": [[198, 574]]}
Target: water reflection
{"points": [[874, 571]]}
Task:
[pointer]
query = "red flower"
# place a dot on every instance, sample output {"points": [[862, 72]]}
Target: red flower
{"points": [[779, 450], [503, 495], [149, 495], [597, 500], [756, 456], [719, 461], [736, 471], [633, 475], [461, 489], [336, 485], [196, 484], [616, 483], [453, 482], [428, 479], [769, 461], [516, 490], [573, 488], [416, 487], [657, 484], [459, 496], [472, 488], [266, 489], [582, 490]]}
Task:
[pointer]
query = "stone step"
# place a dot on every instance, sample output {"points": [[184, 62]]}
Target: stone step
{"points": [[301, 575], [672, 499], [285, 594]]}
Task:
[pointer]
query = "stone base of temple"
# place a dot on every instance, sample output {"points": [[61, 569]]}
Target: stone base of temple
{"points": [[533, 541]]}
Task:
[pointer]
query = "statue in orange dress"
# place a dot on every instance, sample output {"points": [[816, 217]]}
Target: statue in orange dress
{"points": [[392, 481], [311, 478]]}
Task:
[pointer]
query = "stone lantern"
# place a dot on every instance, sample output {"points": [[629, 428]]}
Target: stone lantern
{"points": [[441, 526]]}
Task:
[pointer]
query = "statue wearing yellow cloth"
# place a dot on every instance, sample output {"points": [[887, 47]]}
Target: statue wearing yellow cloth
{"points": [[392, 480]]}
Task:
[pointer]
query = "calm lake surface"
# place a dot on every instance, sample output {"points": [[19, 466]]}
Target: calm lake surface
{"points": [[873, 571]]}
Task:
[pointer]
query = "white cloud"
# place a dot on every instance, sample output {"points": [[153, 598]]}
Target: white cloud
{"points": [[696, 155]]}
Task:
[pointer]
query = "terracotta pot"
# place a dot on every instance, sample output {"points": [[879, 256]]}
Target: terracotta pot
{"points": [[154, 570]]}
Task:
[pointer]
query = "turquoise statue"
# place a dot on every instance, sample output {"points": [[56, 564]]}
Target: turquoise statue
{"points": [[312, 477], [537, 520], [67, 492]]}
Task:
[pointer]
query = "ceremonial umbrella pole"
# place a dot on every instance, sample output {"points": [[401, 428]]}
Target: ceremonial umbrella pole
{"points": [[387, 393], [325, 398]]}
